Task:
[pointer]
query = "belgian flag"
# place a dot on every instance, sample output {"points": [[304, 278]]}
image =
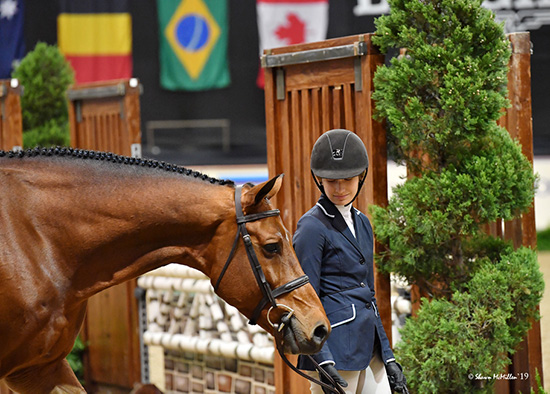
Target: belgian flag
{"points": [[96, 38]]}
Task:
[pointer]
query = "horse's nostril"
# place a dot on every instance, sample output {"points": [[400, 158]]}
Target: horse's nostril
{"points": [[320, 333]]}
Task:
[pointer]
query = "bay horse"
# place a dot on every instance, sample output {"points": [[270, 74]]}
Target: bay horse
{"points": [[75, 222]]}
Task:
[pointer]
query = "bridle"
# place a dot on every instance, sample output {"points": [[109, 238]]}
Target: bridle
{"points": [[269, 295]]}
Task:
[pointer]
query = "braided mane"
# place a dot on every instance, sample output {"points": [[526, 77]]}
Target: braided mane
{"points": [[113, 158]]}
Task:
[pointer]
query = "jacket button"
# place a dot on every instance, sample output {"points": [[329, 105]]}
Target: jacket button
{"points": [[362, 261], [368, 305], [363, 284]]}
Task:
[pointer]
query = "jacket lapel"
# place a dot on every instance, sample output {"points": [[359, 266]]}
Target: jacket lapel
{"points": [[338, 221]]}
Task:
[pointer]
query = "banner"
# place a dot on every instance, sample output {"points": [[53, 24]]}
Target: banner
{"points": [[12, 42], [193, 44], [288, 22], [96, 38]]}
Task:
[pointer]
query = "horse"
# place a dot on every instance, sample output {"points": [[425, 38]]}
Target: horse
{"points": [[75, 222]]}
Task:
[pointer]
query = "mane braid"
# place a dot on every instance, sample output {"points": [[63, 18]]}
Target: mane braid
{"points": [[114, 158]]}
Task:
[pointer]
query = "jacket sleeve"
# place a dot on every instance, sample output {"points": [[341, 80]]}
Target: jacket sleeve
{"points": [[309, 242], [387, 353], [385, 348]]}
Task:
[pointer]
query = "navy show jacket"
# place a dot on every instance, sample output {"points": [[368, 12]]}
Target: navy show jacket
{"points": [[340, 268]]}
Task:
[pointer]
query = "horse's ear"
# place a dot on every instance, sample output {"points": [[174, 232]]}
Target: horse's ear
{"points": [[264, 190]]}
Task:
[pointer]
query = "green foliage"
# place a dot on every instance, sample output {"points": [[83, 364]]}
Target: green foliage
{"points": [[75, 359], [45, 76], [459, 345], [445, 94], [540, 389], [51, 133], [543, 239], [442, 98]]}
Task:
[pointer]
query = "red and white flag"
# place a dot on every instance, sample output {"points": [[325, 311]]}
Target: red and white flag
{"points": [[288, 22]]}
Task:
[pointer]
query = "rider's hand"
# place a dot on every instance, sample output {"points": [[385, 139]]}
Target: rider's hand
{"points": [[398, 383], [333, 373]]}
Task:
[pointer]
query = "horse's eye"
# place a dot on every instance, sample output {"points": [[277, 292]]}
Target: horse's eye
{"points": [[272, 248]]}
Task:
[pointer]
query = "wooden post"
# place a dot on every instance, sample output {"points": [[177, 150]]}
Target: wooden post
{"points": [[106, 116], [11, 120], [11, 133], [309, 89], [522, 231]]}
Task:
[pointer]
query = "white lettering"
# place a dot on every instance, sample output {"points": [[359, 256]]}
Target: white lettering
{"points": [[502, 376], [368, 7], [517, 15]]}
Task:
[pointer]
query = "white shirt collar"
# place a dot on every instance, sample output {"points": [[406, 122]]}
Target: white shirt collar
{"points": [[345, 211]]}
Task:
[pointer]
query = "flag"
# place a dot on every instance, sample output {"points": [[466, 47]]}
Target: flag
{"points": [[96, 38], [12, 43], [193, 44], [288, 22]]}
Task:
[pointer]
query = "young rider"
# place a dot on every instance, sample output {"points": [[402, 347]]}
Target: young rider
{"points": [[334, 243]]}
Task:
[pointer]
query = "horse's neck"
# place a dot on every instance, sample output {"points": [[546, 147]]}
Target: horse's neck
{"points": [[108, 232]]}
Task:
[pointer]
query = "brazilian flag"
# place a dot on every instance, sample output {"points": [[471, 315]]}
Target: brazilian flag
{"points": [[193, 44]]}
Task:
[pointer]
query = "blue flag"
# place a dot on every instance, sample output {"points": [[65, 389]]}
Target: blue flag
{"points": [[12, 43]]}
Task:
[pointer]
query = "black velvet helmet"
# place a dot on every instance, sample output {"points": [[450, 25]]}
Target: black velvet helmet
{"points": [[339, 154]]}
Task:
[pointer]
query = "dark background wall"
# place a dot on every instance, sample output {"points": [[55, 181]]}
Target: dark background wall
{"points": [[243, 101]]}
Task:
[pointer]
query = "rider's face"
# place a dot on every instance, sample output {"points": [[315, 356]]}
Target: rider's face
{"points": [[341, 191]]}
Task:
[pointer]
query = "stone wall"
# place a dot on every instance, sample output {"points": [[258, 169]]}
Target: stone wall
{"points": [[187, 372], [207, 345]]}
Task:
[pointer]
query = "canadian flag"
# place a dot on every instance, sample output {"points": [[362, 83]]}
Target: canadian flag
{"points": [[287, 22]]}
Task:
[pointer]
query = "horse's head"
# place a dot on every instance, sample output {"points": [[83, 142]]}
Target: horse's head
{"points": [[262, 276]]}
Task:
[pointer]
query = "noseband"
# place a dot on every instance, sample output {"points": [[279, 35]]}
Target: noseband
{"points": [[269, 295]]}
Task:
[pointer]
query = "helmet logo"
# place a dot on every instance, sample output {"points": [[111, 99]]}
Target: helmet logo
{"points": [[337, 154]]}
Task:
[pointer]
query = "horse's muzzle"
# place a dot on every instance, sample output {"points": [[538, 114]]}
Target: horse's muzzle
{"points": [[320, 334], [296, 341]]}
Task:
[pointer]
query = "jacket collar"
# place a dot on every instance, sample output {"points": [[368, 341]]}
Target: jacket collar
{"points": [[330, 210]]}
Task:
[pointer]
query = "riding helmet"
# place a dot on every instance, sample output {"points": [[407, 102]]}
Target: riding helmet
{"points": [[339, 154]]}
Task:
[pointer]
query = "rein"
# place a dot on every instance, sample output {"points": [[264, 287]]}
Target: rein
{"points": [[269, 295]]}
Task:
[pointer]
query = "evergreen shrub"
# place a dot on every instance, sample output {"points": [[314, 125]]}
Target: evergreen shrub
{"points": [[442, 98], [45, 76]]}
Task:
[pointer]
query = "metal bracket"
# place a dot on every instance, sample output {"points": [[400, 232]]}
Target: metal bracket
{"points": [[136, 150], [358, 74], [140, 294], [78, 110], [280, 83]]}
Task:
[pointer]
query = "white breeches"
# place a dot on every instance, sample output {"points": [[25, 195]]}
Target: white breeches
{"points": [[372, 380]]}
